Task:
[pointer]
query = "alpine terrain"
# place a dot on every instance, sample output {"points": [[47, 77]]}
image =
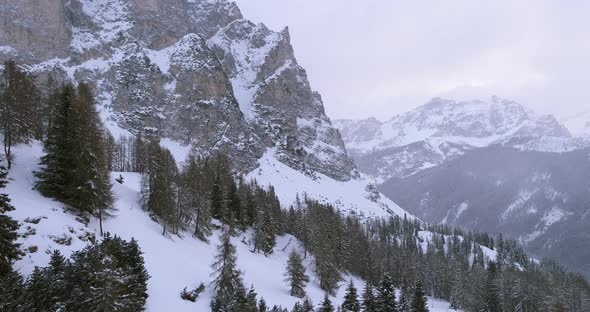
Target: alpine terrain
{"points": [[488, 165], [171, 155]]}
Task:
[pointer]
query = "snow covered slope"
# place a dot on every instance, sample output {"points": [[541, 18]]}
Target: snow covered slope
{"points": [[173, 262], [347, 196]]}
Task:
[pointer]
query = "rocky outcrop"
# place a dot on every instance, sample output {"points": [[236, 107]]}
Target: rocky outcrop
{"points": [[193, 71], [34, 29]]}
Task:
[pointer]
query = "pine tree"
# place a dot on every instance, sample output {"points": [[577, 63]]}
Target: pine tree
{"points": [[136, 282], [307, 305], [56, 279], [369, 303], [159, 192], [264, 231], [326, 305], [92, 186], [226, 277], [11, 292], [351, 302], [492, 292], [37, 285], [405, 299], [18, 101], [419, 299], [386, 296], [262, 307], [193, 199], [55, 178], [107, 276], [9, 249], [295, 275], [74, 169]]}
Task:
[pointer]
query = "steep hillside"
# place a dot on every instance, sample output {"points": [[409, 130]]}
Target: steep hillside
{"points": [[173, 262], [198, 75], [196, 72], [540, 198]]}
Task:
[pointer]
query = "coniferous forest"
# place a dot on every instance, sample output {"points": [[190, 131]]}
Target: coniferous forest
{"points": [[206, 195]]}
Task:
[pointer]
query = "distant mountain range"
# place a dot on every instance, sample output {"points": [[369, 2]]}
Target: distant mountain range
{"points": [[485, 165]]}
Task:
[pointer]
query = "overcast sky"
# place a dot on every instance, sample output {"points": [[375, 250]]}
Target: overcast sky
{"points": [[382, 57]]}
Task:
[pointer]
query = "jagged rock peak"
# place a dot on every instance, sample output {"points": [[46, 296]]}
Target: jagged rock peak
{"points": [[194, 71]]}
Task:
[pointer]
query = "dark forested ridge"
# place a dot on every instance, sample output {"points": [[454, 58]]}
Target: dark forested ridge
{"points": [[206, 194]]}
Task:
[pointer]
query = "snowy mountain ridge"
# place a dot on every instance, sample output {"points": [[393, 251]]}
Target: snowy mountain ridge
{"points": [[443, 129]]}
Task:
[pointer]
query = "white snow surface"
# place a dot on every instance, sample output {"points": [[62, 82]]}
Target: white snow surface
{"points": [[173, 262], [348, 197]]}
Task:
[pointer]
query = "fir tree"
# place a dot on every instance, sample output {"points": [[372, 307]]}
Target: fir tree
{"points": [[9, 249], [264, 232], [351, 302], [55, 178], [92, 177], [193, 199], [226, 277], [18, 108], [74, 169], [36, 297], [492, 292], [419, 299], [262, 307], [11, 292], [158, 187], [405, 299], [369, 303], [295, 275], [326, 305], [307, 305], [386, 296]]}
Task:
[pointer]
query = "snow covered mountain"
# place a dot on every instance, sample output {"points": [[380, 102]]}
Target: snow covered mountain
{"points": [[196, 73], [444, 129], [579, 124], [493, 166]]}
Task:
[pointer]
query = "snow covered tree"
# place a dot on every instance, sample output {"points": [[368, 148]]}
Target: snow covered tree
{"points": [[92, 186], [11, 292], [419, 299], [262, 307], [295, 275], [326, 305], [492, 291], [405, 299], [369, 303], [386, 296], [55, 178], [74, 169], [226, 276], [107, 276], [9, 249], [19, 100], [192, 198], [158, 187], [264, 231], [351, 302]]}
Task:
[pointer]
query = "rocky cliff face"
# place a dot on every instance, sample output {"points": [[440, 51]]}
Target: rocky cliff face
{"points": [[194, 71]]}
